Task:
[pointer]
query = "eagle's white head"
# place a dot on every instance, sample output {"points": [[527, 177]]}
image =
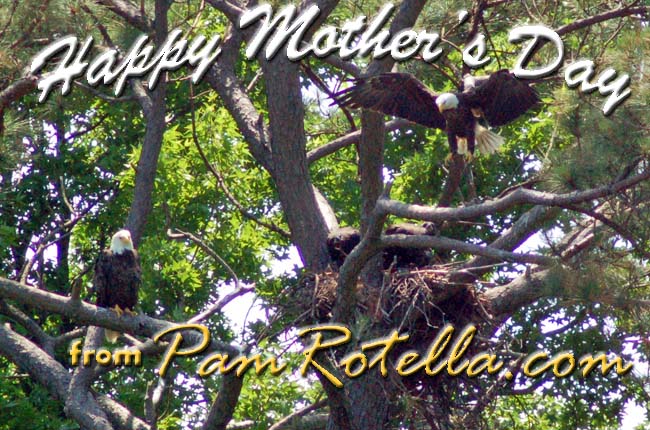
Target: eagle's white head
{"points": [[121, 242], [446, 101]]}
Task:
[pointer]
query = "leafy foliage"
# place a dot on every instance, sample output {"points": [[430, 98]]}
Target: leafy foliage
{"points": [[68, 172]]}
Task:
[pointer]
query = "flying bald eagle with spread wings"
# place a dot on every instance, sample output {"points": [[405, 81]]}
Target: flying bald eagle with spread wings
{"points": [[118, 277], [498, 98]]}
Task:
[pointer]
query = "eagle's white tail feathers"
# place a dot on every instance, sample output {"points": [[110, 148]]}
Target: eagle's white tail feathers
{"points": [[487, 142], [111, 335], [462, 145]]}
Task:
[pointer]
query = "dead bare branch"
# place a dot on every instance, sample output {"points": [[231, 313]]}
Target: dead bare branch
{"points": [[448, 244], [518, 197]]}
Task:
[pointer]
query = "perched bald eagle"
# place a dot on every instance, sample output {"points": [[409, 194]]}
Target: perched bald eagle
{"points": [[498, 98], [118, 277]]}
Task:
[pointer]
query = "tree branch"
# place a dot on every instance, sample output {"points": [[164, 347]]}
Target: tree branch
{"points": [[152, 399], [290, 171], [371, 145], [63, 229], [239, 289], [527, 288], [17, 90], [456, 169], [347, 140], [288, 421], [130, 13], [85, 313], [231, 10], [346, 299], [617, 13], [346, 66], [313, 77], [517, 197], [447, 244], [49, 373], [180, 235], [43, 339], [222, 183], [522, 291], [587, 22], [221, 77], [153, 105], [79, 397], [224, 405], [105, 97], [527, 225]]}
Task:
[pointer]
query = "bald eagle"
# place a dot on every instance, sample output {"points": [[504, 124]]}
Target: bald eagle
{"points": [[118, 277], [498, 98]]}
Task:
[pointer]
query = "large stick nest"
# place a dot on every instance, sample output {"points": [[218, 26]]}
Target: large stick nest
{"points": [[405, 301], [416, 302]]}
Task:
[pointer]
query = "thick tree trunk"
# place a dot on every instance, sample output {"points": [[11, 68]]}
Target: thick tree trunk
{"points": [[153, 106], [369, 400], [290, 171]]}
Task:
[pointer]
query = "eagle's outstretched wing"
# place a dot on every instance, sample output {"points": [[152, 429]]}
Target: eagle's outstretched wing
{"points": [[501, 97], [397, 94]]}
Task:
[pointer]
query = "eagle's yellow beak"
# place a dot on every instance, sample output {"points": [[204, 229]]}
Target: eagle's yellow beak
{"points": [[121, 241], [446, 101], [442, 106]]}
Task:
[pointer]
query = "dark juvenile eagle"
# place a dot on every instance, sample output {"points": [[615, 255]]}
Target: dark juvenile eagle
{"points": [[498, 98], [118, 277], [402, 256], [341, 242]]}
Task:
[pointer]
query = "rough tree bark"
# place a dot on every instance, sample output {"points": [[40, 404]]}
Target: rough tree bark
{"points": [[154, 108], [364, 402]]}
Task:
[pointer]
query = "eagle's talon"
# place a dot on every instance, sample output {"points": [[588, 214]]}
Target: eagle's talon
{"points": [[118, 310], [469, 157], [130, 312], [449, 158]]}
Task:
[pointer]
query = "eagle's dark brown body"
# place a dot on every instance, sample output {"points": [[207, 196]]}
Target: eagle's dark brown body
{"points": [[402, 256], [342, 241], [117, 279], [460, 122]]}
